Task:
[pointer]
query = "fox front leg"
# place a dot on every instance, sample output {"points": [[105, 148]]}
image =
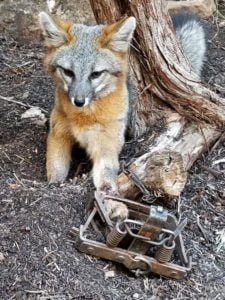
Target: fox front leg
{"points": [[105, 170], [59, 146]]}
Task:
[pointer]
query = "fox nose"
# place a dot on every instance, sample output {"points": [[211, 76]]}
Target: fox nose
{"points": [[79, 102]]}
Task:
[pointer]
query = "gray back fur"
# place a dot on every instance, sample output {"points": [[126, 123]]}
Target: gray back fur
{"points": [[191, 35]]}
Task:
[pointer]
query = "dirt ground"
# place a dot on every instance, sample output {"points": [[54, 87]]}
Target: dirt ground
{"points": [[38, 259]]}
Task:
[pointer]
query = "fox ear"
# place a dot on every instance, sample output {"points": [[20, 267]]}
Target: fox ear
{"points": [[119, 35], [55, 30]]}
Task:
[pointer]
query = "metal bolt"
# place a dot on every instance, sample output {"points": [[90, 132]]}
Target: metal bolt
{"points": [[153, 209], [160, 209]]}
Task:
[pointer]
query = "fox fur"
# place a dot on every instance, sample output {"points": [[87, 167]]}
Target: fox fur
{"points": [[90, 67]]}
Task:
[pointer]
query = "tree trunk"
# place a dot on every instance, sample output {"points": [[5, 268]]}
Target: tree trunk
{"points": [[164, 79], [159, 67]]}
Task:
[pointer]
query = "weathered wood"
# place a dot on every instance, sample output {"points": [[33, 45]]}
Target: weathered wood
{"points": [[164, 167]]}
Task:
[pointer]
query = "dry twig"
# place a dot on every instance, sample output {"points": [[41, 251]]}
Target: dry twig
{"points": [[11, 99]]}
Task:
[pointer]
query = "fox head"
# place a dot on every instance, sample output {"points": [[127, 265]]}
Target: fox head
{"points": [[87, 62]]}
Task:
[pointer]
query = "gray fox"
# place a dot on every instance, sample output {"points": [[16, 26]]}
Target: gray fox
{"points": [[90, 67]]}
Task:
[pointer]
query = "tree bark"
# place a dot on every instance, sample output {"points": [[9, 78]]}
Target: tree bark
{"points": [[159, 68], [164, 80]]}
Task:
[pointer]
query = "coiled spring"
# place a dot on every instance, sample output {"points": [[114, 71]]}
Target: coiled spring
{"points": [[165, 251], [115, 236]]}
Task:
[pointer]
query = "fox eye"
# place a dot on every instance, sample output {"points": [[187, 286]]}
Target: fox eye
{"points": [[96, 74], [68, 72]]}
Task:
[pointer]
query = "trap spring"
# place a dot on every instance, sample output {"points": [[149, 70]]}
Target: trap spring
{"points": [[146, 242]]}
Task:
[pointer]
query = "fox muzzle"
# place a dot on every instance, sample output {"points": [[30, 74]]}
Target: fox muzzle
{"points": [[80, 94], [79, 102]]}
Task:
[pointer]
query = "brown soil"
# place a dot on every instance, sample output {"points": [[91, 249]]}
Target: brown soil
{"points": [[38, 259]]}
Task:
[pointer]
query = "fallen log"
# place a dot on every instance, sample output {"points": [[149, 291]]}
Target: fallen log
{"points": [[164, 167]]}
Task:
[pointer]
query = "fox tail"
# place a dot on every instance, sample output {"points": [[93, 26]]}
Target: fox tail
{"points": [[192, 38]]}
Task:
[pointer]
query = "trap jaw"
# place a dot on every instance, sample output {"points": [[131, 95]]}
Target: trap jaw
{"points": [[143, 243]]}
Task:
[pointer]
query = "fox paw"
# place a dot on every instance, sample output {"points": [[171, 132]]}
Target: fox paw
{"points": [[56, 177], [116, 210], [109, 189]]}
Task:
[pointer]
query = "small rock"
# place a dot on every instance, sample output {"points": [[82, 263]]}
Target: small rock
{"points": [[109, 274], [25, 229], [135, 296], [2, 257], [222, 24], [14, 186], [25, 95], [32, 112], [220, 240], [35, 114]]}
